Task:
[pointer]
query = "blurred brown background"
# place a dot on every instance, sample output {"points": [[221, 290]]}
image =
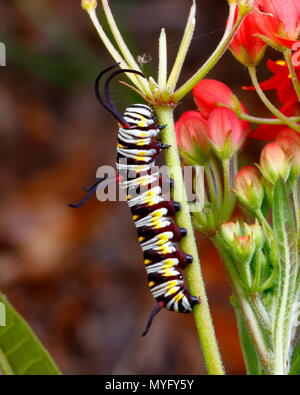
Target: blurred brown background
{"points": [[77, 276]]}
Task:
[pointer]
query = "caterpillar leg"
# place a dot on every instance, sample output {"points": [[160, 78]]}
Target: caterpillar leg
{"points": [[159, 306], [104, 182], [95, 184]]}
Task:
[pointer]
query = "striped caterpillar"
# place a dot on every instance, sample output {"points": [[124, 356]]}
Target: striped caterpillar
{"points": [[153, 215]]}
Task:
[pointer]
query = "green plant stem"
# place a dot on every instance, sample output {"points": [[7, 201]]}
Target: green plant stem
{"points": [[163, 61], [214, 58], [111, 48], [229, 198], [279, 338], [296, 83], [295, 195], [217, 180], [278, 114], [183, 50], [143, 83], [195, 280], [246, 309], [262, 313], [263, 121], [264, 222]]}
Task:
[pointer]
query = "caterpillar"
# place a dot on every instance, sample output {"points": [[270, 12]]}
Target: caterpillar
{"points": [[154, 216]]}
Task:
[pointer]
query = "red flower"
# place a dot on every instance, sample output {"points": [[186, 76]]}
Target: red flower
{"points": [[270, 132], [278, 21], [247, 48], [283, 84], [226, 132], [192, 140], [280, 81], [210, 94]]}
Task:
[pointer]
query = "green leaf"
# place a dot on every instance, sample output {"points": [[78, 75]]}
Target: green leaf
{"points": [[21, 353], [295, 364], [251, 359]]}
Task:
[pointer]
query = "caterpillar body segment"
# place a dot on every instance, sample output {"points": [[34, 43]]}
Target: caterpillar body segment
{"points": [[138, 146], [157, 231]]}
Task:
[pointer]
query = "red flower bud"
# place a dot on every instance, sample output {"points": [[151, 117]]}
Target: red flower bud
{"points": [[289, 142], [274, 163], [192, 139], [211, 94], [225, 132], [246, 48], [249, 188]]}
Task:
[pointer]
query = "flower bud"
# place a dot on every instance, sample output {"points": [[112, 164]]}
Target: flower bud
{"points": [[274, 163], [238, 241], [244, 248], [245, 47], [89, 5], [289, 142], [192, 139], [245, 243], [209, 94], [225, 132], [248, 187], [257, 233], [228, 232]]}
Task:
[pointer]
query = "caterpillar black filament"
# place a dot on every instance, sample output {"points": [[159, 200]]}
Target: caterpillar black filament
{"points": [[153, 215]]}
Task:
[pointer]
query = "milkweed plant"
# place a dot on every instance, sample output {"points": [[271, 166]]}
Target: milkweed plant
{"points": [[251, 213]]}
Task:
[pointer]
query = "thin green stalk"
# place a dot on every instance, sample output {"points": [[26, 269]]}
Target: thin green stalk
{"points": [[111, 48], [229, 199], [211, 184], [263, 121], [254, 329], [163, 61], [262, 313], [278, 114], [296, 83], [279, 339], [142, 82], [249, 316], [183, 49], [214, 58], [217, 180], [195, 280], [295, 195], [264, 222]]}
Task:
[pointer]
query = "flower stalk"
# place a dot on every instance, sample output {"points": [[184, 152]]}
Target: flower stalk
{"points": [[230, 31], [274, 110], [296, 83], [195, 280]]}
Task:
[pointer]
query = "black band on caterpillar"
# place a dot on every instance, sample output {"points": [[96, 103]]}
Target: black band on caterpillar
{"points": [[138, 148]]}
